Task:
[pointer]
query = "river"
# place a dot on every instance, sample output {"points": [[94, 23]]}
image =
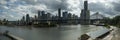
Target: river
{"points": [[63, 32]]}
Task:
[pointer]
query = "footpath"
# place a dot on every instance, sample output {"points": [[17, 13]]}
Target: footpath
{"points": [[114, 35]]}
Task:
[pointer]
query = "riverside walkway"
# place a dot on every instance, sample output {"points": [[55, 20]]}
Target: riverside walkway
{"points": [[114, 35], [8, 36], [105, 34], [2, 37], [13, 37]]}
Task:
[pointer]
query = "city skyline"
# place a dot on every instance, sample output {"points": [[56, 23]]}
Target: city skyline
{"points": [[59, 19], [15, 9]]}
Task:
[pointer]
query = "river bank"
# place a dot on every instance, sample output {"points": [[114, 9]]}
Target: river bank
{"points": [[114, 35]]}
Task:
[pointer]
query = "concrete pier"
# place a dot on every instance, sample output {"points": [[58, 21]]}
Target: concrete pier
{"points": [[13, 37], [95, 35]]}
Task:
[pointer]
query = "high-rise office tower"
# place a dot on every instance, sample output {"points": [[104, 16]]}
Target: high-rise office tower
{"points": [[48, 16], [23, 18], [59, 16], [43, 15], [39, 14], [59, 12], [85, 14], [35, 17], [69, 16], [85, 5], [65, 14], [27, 18]]}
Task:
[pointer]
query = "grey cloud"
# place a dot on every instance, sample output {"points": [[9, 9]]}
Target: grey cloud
{"points": [[116, 6], [96, 6], [53, 5], [100, 7], [50, 4]]}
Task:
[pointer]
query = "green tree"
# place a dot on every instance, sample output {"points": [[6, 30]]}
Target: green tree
{"points": [[116, 21]]}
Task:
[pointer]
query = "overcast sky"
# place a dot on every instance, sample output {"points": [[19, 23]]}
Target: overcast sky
{"points": [[15, 9]]}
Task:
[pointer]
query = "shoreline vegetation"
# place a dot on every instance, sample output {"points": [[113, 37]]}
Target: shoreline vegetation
{"points": [[115, 21], [44, 25], [33, 25], [38, 25]]}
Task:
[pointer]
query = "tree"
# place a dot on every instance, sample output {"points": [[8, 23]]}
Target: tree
{"points": [[116, 21]]}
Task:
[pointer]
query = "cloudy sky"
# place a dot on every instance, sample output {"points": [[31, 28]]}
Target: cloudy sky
{"points": [[15, 9]]}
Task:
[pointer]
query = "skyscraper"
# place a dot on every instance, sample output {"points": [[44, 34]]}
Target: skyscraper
{"points": [[48, 16], [23, 18], [39, 14], [43, 15], [65, 14], [85, 14], [59, 12], [35, 17], [69, 16], [59, 15], [85, 5], [27, 18]]}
